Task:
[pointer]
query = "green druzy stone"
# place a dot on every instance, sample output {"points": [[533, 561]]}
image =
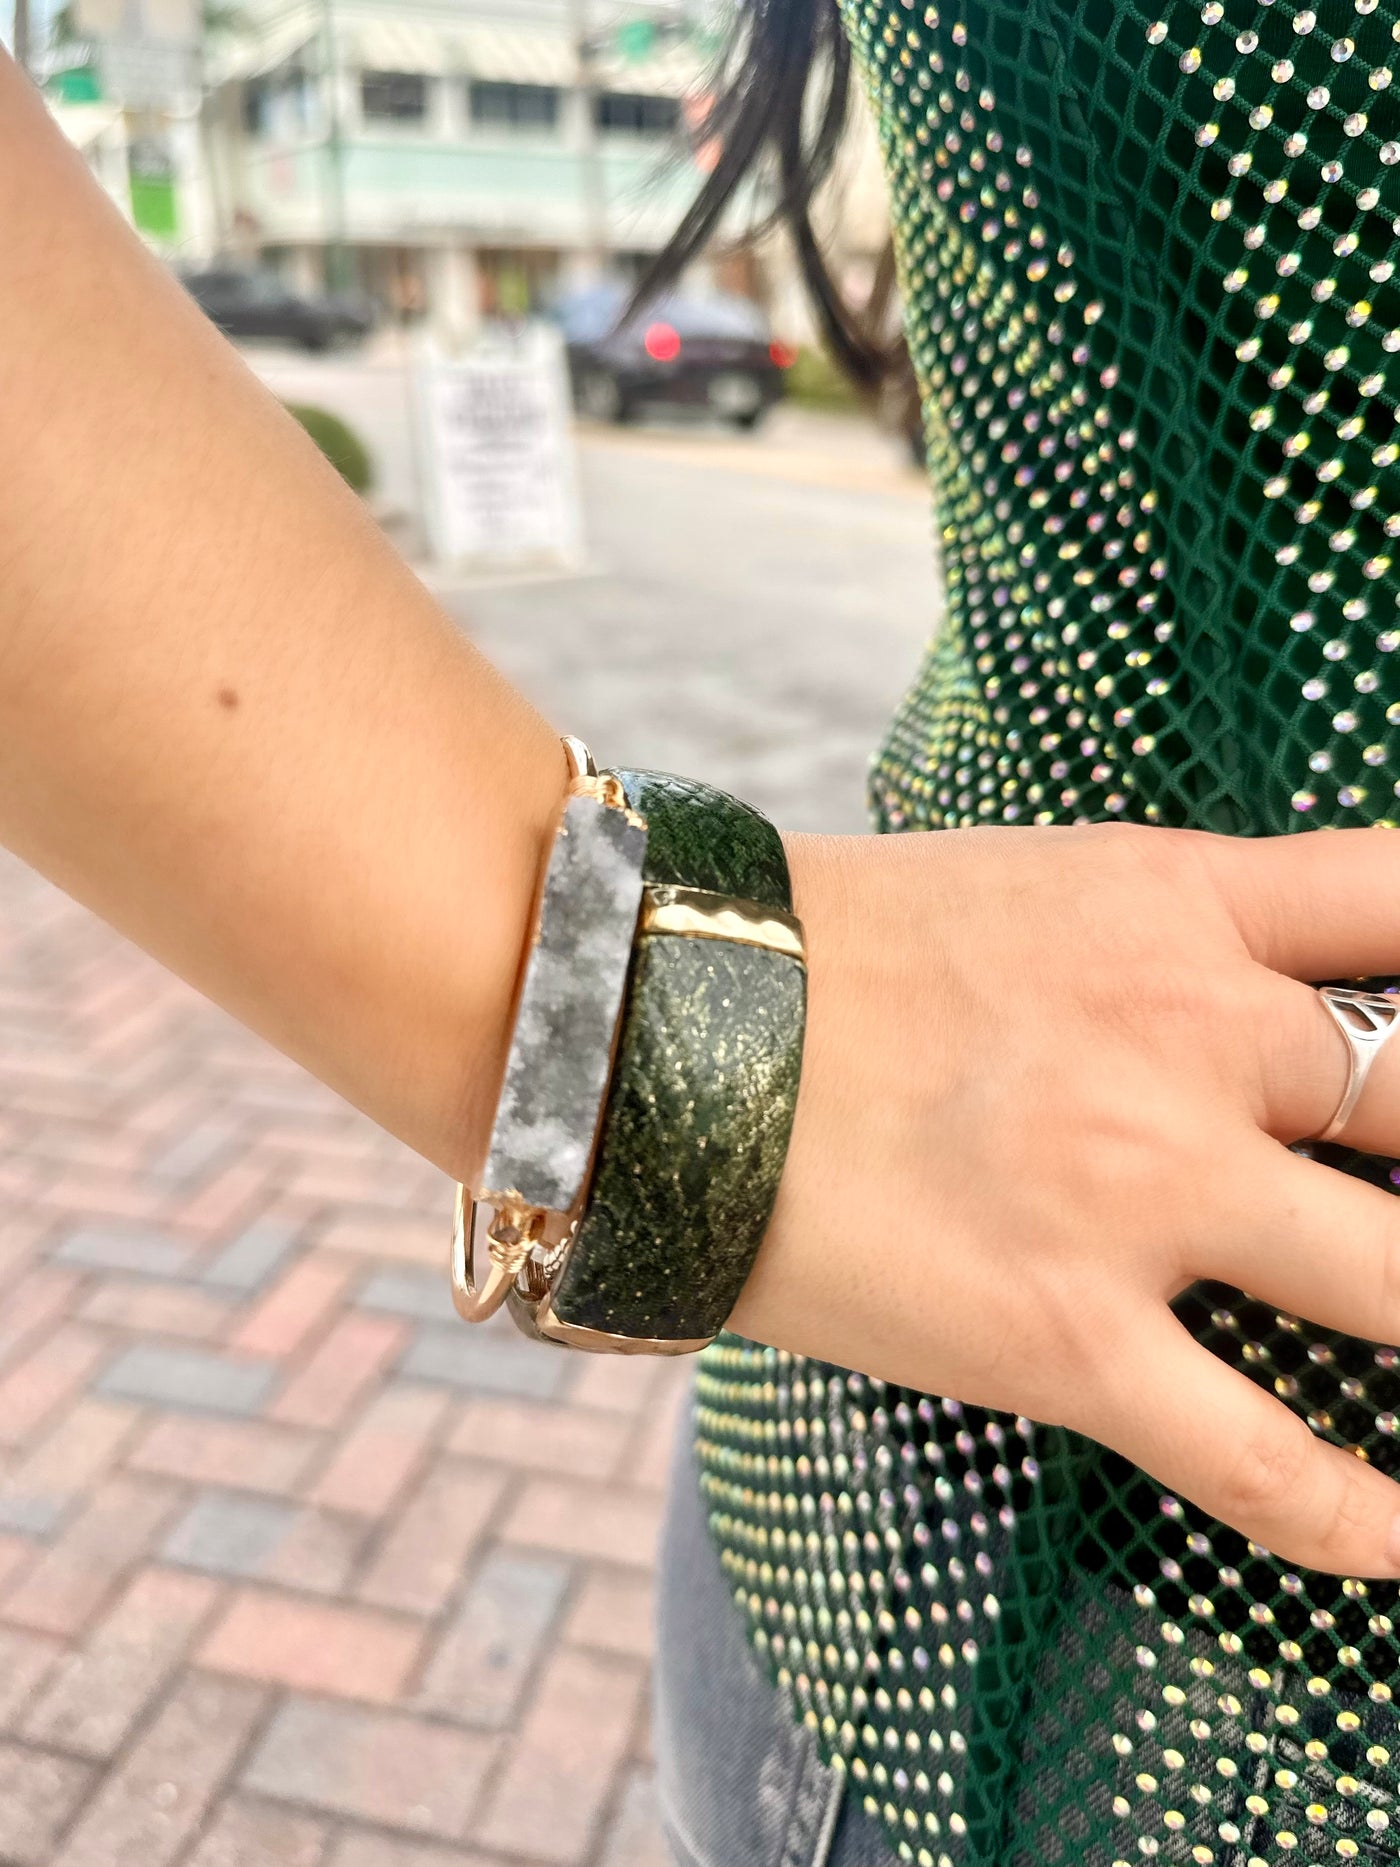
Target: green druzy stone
{"points": [[704, 1090], [693, 1142], [698, 837]]}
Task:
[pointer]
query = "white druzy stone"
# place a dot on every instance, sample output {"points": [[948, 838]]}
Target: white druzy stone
{"points": [[557, 1071]]}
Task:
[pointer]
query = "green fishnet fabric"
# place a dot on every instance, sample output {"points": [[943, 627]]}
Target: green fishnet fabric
{"points": [[1148, 259]]}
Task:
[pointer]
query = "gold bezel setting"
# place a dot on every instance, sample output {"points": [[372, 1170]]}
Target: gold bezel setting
{"points": [[539, 1321]]}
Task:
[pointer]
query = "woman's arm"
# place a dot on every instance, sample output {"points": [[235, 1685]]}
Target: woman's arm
{"points": [[231, 720], [1048, 1071]]}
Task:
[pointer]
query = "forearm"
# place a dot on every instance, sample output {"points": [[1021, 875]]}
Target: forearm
{"points": [[230, 719]]}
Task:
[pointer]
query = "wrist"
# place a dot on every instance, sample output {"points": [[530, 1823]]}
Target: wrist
{"points": [[779, 1288], [476, 1009], [856, 1130], [448, 977]]}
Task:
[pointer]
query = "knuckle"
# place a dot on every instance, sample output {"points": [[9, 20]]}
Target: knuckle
{"points": [[1213, 997], [1166, 853], [1190, 868], [1268, 1473], [1344, 1526], [1241, 1013], [1202, 1022], [1283, 1059]]}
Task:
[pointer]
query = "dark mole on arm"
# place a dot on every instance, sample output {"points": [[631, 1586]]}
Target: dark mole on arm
{"points": [[228, 698]]}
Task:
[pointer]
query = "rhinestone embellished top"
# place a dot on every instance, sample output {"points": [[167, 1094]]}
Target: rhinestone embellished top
{"points": [[1148, 256]]}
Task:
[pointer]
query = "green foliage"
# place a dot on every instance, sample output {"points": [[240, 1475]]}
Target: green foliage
{"points": [[815, 382], [339, 442]]}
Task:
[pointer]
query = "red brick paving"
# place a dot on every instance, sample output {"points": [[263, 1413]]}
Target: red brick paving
{"points": [[95, 1695], [380, 1454], [349, 1362], [552, 1814], [265, 1599], [247, 1455]]}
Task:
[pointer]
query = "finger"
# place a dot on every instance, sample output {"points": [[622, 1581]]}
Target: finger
{"points": [[1207, 1433], [1303, 1064], [1314, 1242], [1322, 905]]}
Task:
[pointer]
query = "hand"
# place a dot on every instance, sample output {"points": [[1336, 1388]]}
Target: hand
{"points": [[1050, 1080]]}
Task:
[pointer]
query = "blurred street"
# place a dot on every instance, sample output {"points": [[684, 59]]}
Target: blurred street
{"points": [[756, 606], [295, 1571]]}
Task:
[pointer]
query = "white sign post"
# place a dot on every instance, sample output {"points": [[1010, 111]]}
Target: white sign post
{"points": [[496, 445]]}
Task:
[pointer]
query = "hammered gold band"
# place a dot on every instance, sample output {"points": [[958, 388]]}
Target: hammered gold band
{"points": [[701, 914]]}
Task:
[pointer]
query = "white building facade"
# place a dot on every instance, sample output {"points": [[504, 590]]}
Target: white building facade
{"points": [[453, 158]]}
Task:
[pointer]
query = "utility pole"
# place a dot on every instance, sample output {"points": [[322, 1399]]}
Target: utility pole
{"points": [[593, 178], [337, 270], [22, 34]]}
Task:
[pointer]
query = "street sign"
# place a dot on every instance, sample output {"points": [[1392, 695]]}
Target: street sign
{"points": [[151, 177], [636, 39], [496, 446]]}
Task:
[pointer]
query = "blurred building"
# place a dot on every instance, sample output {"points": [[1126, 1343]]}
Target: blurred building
{"points": [[452, 157], [124, 80]]}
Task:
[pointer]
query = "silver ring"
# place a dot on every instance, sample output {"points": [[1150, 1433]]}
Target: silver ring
{"points": [[1365, 1020]]}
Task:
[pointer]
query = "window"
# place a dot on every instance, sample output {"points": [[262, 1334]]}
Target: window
{"points": [[631, 114], [282, 105], [514, 106], [279, 105], [394, 96]]}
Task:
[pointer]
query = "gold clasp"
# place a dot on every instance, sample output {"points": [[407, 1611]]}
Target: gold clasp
{"points": [[607, 788], [510, 1238]]}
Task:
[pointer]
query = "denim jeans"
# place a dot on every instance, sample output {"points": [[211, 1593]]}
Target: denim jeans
{"points": [[739, 1779]]}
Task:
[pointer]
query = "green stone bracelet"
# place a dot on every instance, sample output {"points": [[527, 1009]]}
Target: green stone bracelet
{"points": [[644, 1246]]}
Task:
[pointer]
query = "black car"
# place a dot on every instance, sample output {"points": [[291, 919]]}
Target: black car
{"points": [[715, 353], [258, 304]]}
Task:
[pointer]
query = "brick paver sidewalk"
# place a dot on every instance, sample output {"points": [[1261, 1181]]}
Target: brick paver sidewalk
{"points": [[295, 1571]]}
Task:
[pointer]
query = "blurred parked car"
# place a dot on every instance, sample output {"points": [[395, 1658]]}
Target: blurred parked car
{"points": [[258, 304], [714, 353]]}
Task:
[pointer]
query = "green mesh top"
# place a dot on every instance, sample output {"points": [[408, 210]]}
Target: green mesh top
{"points": [[1148, 260]]}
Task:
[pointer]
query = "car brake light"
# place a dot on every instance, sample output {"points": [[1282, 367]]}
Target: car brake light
{"points": [[783, 355], [663, 343]]}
